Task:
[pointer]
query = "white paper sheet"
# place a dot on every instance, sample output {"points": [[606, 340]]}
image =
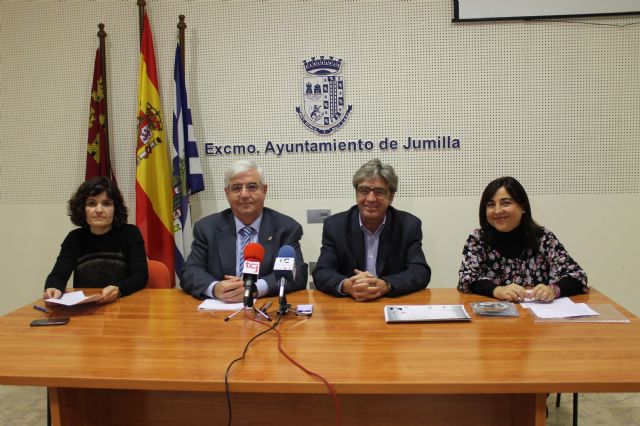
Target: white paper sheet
{"points": [[75, 298], [218, 305], [561, 302], [560, 308]]}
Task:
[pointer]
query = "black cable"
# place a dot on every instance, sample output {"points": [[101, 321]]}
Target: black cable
{"points": [[244, 352]]}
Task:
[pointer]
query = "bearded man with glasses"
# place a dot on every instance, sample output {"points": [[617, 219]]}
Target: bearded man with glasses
{"points": [[214, 266], [372, 249]]}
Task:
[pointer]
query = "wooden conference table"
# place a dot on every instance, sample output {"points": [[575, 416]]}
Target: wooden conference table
{"points": [[153, 359]]}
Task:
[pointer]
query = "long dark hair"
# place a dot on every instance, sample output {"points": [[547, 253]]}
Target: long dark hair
{"points": [[528, 230], [90, 188]]}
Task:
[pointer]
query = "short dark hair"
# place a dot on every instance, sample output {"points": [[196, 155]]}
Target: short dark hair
{"points": [[530, 231], [95, 186]]}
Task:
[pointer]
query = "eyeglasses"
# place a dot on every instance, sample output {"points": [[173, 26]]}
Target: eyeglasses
{"points": [[378, 192], [250, 187]]}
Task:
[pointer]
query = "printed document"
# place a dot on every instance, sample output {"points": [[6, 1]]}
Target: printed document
{"points": [[420, 313], [75, 298]]}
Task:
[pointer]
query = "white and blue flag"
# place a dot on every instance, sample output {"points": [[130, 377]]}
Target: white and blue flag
{"points": [[187, 171]]}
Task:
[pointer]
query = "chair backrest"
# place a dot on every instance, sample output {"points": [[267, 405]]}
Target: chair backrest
{"points": [[158, 275]]}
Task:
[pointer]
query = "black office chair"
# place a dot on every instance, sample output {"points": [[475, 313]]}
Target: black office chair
{"points": [[575, 407]]}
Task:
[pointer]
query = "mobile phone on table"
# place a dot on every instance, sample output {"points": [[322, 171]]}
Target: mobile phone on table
{"points": [[305, 310], [49, 321]]}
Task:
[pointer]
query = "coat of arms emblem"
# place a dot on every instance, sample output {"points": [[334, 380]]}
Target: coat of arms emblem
{"points": [[323, 110]]}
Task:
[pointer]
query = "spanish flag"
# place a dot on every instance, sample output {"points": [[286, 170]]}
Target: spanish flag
{"points": [[154, 196]]}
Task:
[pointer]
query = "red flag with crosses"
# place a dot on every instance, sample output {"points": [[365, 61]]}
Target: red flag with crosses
{"points": [[98, 161]]}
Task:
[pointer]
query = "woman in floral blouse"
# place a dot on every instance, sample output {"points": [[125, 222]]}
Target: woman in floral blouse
{"points": [[511, 257]]}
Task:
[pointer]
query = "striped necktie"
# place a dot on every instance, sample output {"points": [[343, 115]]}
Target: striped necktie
{"points": [[245, 238]]}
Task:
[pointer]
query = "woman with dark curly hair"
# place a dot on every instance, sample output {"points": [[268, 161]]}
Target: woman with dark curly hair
{"points": [[105, 252], [511, 257]]}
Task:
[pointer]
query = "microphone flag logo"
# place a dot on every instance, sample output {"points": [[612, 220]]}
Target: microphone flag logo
{"points": [[324, 110], [284, 264], [251, 267]]}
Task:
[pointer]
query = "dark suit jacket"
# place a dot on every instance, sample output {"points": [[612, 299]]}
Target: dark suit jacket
{"points": [[400, 260], [213, 252]]}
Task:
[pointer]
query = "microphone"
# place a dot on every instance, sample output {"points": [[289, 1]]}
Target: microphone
{"points": [[284, 270], [253, 255]]}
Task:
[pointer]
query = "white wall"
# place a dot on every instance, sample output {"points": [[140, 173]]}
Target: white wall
{"points": [[554, 104]]}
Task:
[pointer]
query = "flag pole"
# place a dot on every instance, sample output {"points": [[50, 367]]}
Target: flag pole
{"points": [[187, 170], [181, 29], [102, 35], [141, 6]]}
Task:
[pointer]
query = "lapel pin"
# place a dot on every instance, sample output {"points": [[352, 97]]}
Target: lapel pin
{"points": [[270, 238]]}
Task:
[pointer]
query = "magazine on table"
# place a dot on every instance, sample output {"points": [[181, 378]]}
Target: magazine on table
{"points": [[425, 313]]}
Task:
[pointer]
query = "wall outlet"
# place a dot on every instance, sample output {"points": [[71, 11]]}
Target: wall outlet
{"points": [[317, 215]]}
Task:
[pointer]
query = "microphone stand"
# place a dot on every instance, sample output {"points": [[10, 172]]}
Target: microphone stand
{"points": [[248, 304], [284, 306]]}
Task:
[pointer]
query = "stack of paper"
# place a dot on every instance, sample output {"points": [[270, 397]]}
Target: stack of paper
{"points": [[560, 308], [218, 305]]}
